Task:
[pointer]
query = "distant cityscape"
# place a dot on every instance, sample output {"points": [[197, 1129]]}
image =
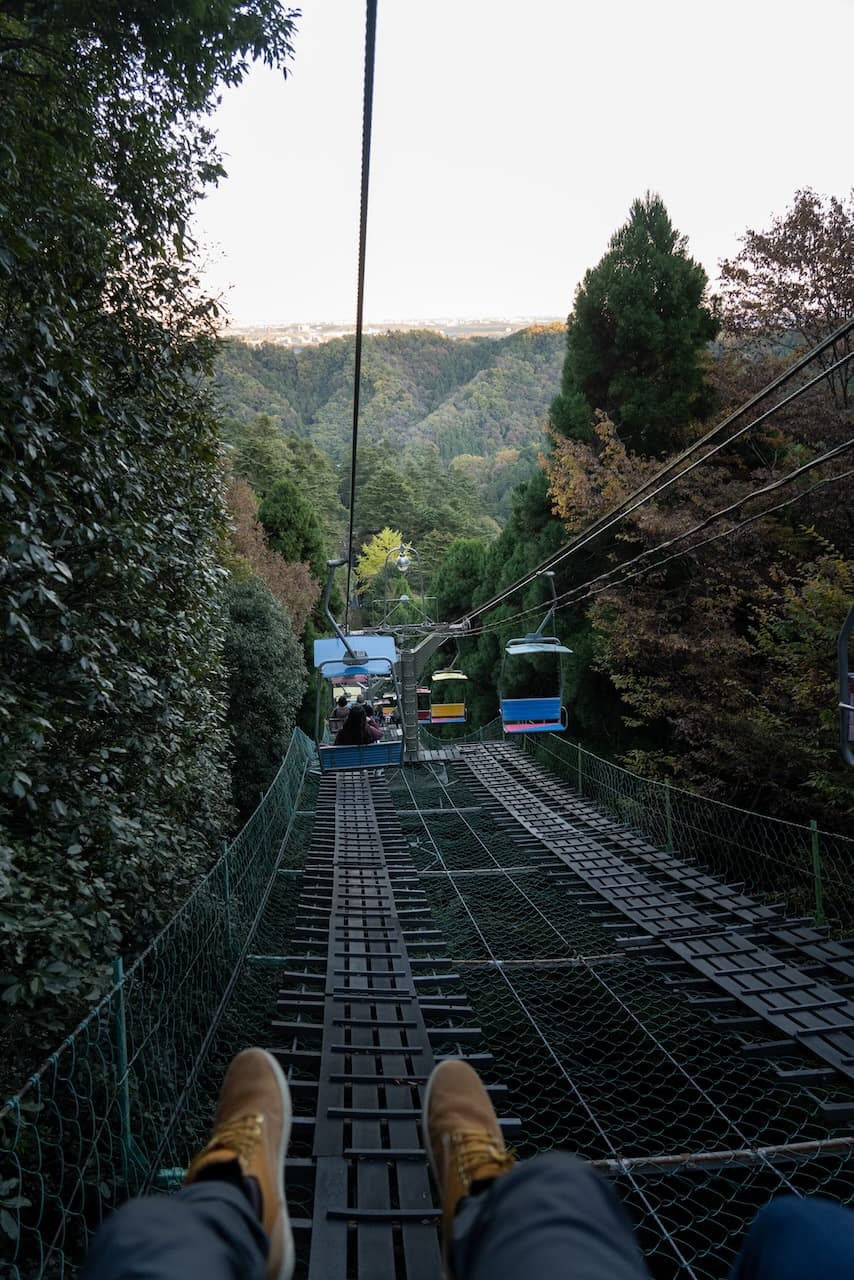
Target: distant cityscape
{"points": [[312, 333]]}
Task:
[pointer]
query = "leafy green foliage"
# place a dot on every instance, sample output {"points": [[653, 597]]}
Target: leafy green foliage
{"points": [[262, 454], [636, 338], [459, 576], [292, 527], [267, 680], [113, 778]]}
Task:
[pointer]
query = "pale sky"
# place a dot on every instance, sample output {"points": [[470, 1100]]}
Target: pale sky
{"points": [[509, 142]]}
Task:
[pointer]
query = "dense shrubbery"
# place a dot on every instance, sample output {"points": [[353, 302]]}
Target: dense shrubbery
{"points": [[113, 778], [267, 680]]}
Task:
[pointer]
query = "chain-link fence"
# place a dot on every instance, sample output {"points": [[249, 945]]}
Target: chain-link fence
{"points": [[122, 1103], [809, 871]]}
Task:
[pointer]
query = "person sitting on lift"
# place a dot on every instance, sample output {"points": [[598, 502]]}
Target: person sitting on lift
{"points": [[339, 714], [357, 730]]}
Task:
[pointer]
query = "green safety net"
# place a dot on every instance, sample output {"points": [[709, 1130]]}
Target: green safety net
{"points": [[603, 1055], [806, 869], [607, 1057], [123, 1103]]}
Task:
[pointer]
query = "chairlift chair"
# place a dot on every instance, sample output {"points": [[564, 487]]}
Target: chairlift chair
{"points": [[448, 697], [339, 660], [535, 712], [424, 699]]}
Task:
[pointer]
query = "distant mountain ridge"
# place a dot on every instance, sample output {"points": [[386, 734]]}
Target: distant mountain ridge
{"points": [[466, 396]]}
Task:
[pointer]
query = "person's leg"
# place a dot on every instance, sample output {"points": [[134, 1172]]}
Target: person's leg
{"points": [[209, 1229], [548, 1217], [791, 1238], [230, 1221]]}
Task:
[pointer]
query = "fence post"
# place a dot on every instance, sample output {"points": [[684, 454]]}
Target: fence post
{"points": [[227, 890], [122, 1065], [668, 816], [578, 769], [816, 872]]}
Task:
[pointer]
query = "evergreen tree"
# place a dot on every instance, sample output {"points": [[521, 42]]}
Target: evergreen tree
{"points": [[636, 337], [292, 527], [459, 576]]}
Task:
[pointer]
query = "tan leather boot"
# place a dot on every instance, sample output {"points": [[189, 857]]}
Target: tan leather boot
{"points": [[462, 1137], [253, 1125]]}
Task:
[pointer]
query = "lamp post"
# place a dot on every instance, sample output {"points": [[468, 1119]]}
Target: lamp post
{"points": [[404, 559]]}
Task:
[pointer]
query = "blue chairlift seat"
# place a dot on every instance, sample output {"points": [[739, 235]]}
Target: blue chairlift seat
{"points": [[371, 755], [376, 656], [531, 715], [536, 714]]}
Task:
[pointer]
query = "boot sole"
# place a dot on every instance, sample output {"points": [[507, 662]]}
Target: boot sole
{"points": [[282, 1234]]}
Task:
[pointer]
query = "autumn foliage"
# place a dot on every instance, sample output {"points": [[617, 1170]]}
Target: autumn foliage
{"points": [[291, 584]]}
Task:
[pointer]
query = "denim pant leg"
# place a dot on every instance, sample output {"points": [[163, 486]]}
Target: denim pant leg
{"points": [[792, 1238], [547, 1218], [208, 1230]]}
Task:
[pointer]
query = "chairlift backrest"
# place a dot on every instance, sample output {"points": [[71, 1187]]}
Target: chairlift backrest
{"points": [[337, 659], [448, 696], [533, 712]]}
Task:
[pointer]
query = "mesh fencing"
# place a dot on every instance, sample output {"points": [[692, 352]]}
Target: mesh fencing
{"points": [[605, 1057], [602, 1054], [492, 732], [810, 871], [122, 1104]]}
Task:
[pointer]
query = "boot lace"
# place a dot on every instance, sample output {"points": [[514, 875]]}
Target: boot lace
{"points": [[475, 1150], [240, 1136]]}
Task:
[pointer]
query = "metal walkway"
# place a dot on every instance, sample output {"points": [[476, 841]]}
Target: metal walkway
{"points": [[371, 1004], [371, 1000], [785, 973]]}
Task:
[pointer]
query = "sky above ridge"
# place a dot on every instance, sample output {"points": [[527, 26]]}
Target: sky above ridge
{"points": [[508, 144]]}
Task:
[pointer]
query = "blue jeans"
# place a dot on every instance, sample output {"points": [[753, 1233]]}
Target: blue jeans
{"points": [[546, 1219]]}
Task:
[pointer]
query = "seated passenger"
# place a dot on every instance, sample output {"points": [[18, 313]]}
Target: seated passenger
{"points": [[339, 714], [357, 730]]}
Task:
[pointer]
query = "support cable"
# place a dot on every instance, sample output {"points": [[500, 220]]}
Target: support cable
{"points": [[367, 116], [695, 546], [639, 497], [606, 986], [552, 1053], [575, 595]]}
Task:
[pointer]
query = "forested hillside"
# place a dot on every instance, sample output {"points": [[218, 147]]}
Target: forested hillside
{"points": [[482, 402]]}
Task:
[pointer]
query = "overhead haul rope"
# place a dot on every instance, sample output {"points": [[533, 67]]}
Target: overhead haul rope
{"points": [[639, 497], [367, 114], [575, 595]]}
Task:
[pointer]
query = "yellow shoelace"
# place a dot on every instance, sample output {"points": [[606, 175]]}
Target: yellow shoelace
{"points": [[475, 1149], [240, 1136]]}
